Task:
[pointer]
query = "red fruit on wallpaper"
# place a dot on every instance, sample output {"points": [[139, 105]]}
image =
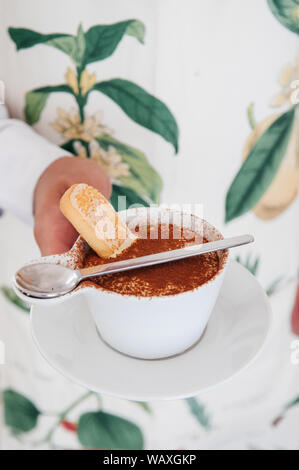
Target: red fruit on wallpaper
{"points": [[295, 314], [69, 426]]}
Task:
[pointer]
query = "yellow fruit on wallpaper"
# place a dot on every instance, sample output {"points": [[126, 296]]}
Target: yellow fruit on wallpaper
{"points": [[285, 185]]}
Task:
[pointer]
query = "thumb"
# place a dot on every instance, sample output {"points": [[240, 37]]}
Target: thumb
{"points": [[53, 233]]}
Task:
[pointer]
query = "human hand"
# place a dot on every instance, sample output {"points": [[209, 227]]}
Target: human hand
{"points": [[53, 233]]}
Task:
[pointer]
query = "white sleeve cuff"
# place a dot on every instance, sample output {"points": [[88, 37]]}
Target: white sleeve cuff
{"points": [[24, 155]]}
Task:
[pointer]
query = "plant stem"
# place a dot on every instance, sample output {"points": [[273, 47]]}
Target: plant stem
{"points": [[99, 400], [250, 115], [81, 109], [62, 416], [81, 100]]}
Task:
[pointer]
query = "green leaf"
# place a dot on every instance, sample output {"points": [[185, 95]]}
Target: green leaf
{"points": [[102, 40], [199, 412], [20, 413], [10, 295], [143, 178], [286, 12], [80, 47], [98, 43], [73, 46], [68, 146], [136, 29], [34, 104], [142, 107], [255, 266], [273, 286], [25, 38], [144, 405], [143, 184], [293, 403], [131, 197], [99, 430], [259, 168], [35, 101], [248, 263], [70, 45]]}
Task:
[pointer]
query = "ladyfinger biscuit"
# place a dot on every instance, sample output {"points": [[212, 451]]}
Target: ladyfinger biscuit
{"points": [[95, 220]]}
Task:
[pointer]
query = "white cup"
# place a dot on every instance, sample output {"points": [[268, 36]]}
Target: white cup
{"points": [[157, 327], [143, 327]]}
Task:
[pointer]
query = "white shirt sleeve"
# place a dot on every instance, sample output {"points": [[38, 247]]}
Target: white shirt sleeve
{"points": [[24, 155]]}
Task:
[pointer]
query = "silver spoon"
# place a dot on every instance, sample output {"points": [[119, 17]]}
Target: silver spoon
{"points": [[49, 280]]}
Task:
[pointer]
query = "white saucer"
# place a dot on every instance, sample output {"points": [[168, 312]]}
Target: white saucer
{"points": [[66, 336]]}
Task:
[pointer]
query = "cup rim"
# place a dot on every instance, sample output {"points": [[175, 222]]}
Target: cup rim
{"points": [[135, 212]]}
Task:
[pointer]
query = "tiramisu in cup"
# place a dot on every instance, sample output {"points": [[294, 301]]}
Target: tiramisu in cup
{"points": [[157, 311]]}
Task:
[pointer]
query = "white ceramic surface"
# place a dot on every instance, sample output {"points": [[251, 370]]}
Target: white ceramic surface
{"points": [[157, 327], [235, 334], [152, 328]]}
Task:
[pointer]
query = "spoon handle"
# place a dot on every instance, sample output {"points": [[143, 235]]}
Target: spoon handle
{"points": [[165, 256]]}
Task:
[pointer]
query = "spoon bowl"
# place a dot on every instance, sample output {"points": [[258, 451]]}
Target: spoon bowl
{"points": [[46, 280]]}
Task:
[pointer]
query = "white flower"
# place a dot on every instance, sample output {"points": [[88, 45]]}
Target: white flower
{"points": [[287, 80], [70, 127], [110, 160]]}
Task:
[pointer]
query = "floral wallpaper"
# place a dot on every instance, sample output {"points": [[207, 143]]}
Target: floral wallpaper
{"points": [[87, 136], [268, 180], [132, 176], [266, 184]]}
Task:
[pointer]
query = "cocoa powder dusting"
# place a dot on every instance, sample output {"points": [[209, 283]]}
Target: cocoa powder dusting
{"points": [[160, 280]]}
